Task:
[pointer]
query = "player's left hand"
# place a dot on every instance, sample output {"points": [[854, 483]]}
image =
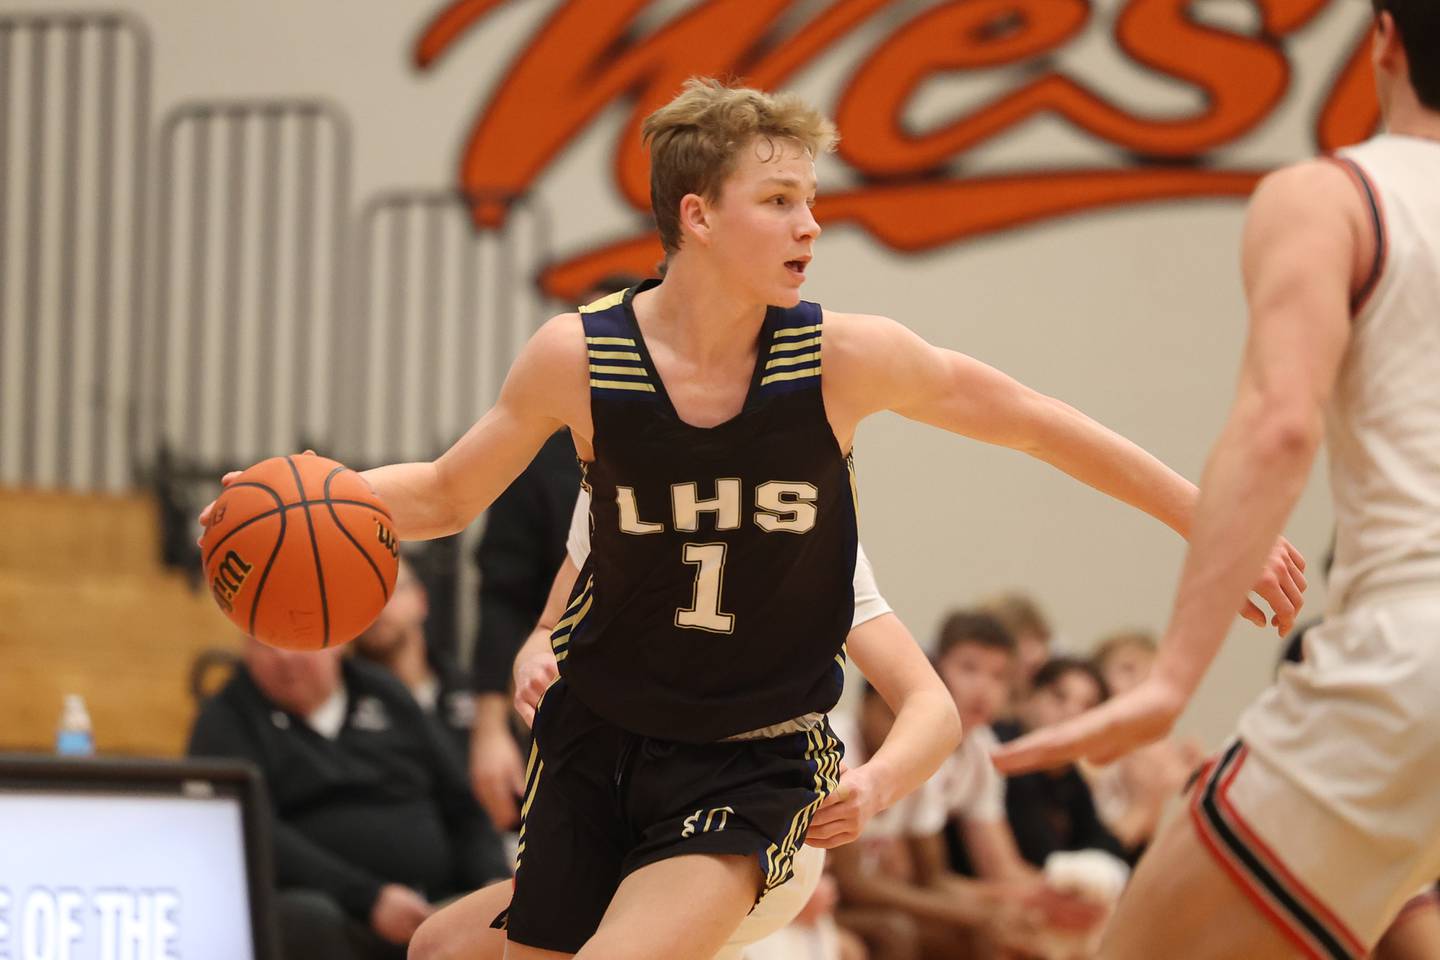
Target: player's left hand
{"points": [[846, 811], [1134, 718], [1281, 585]]}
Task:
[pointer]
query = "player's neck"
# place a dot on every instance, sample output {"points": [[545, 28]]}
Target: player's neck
{"points": [[1410, 118], [696, 313]]}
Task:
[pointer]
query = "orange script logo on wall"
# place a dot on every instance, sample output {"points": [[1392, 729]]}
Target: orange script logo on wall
{"points": [[587, 56]]}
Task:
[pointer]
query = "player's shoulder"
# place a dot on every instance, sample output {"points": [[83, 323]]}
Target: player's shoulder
{"points": [[1307, 186], [564, 330], [856, 330], [559, 341]]}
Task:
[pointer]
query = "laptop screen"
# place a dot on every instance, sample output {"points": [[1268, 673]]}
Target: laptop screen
{"points": [[106, 859]]}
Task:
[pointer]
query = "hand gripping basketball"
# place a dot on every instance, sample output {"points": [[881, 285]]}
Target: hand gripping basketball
{"points": [[299, 552]]}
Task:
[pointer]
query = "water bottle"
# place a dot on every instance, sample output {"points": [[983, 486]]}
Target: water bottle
{"points": [[73, 737]]}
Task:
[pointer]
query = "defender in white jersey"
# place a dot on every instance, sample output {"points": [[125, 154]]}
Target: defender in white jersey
{"points": [[1321, 819]]}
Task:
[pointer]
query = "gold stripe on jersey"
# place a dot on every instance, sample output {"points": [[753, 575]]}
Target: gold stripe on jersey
{"points": [[623, 371], [791, 375], [560, 636], [622, 385], [843, 655], [579, 600], [533, 769], [795, 345], [614, 355], [604, 303], [779, 857], [567, 625], [610, 341], [789, 361], [796, 331]]}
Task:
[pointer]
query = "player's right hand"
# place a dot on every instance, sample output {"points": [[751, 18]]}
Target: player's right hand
{"points": [[225, 481], [534, 672], [398, 913], [497, 775]]}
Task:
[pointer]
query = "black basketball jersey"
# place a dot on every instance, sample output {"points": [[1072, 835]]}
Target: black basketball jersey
{"points": [[719, 587]]}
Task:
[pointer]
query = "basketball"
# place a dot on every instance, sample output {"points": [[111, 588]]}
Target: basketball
{"points": [[300, 553]]}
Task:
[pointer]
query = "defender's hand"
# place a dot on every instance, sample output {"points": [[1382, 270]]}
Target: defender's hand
{"points": [[1281, 585], [1136, 717]]}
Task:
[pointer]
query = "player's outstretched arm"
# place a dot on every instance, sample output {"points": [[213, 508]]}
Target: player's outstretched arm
{"points": [[881, 365], [1300, 258], [544, 391], [926, 731]]}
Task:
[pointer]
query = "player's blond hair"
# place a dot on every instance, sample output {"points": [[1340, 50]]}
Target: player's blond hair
{"points": [[695, 139]]}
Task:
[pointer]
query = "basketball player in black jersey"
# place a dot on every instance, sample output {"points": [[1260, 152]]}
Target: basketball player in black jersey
{"points": [[683, 754]]}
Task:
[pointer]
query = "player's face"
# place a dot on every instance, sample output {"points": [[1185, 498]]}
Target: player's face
{"points": [[296, 681], [1126, 667], [761, 228], [979, 681]]}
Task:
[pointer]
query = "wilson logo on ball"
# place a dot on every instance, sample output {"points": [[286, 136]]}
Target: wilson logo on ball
{"points": [[229, 578], [386, 536]]}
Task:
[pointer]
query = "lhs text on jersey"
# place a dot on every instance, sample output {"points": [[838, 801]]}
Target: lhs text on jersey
{"points": [[781, 506]]}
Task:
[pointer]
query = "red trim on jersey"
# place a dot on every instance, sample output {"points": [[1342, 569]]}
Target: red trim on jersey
{"points": [[1257, 846], [1366, 186], [1247, 884]]}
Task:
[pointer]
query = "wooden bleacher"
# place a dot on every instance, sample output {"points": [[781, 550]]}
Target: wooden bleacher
{"points": [[87, 608]]}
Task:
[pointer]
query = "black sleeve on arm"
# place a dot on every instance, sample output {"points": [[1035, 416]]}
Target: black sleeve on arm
{"points": [[220, 731]]}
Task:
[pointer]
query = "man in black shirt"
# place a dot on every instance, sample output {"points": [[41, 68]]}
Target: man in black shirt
{"points": [[397, 641], [1053, 810], [373, 819]]}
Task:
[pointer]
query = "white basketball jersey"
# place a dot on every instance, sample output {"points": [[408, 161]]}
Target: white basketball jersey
{"points": [[1383, 422]]}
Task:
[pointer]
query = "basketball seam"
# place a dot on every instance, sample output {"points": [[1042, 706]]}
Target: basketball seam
{"points": [[329, 505], [314, 551], [265, 574], [284, 508]]}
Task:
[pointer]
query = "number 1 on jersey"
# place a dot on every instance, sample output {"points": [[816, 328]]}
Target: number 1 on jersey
{"points": [[704, 612]]}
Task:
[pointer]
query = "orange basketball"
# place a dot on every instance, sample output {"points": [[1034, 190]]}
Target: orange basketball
{"points": [[300, 553]]}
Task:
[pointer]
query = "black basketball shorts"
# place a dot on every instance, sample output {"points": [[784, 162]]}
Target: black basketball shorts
{"points": [[601, 802]]}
